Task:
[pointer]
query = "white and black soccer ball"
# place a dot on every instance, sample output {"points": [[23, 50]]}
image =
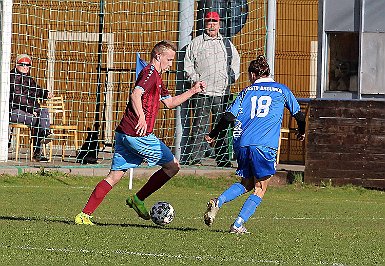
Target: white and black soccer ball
{"points": [[162, 213]]}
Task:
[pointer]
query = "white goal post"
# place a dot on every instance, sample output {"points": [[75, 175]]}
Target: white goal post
{"points": [[5, 49]]}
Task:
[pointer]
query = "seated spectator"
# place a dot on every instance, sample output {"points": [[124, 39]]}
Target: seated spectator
{"points": [[24, 105]]}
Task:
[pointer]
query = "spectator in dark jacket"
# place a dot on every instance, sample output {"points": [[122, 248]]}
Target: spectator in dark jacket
{"points": [[24, 104]]}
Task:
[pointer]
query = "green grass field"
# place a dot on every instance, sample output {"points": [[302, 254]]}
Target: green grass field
{"points": [[294, 225]]}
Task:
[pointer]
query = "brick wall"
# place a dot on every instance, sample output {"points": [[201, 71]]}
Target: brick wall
{"points": [[346, 143]]}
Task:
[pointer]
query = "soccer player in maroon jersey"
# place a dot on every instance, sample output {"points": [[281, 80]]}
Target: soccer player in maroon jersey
{"points": [[134, 140]]}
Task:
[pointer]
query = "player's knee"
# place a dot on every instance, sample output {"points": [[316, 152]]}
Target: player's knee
{"points": [[175, 168], [172, 168], [114, 177], [259, 192], [260, 188]]}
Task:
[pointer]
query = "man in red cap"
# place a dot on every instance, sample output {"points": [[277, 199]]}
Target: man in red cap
{"points": [[211, 58], [212, 16], [24, 105]]}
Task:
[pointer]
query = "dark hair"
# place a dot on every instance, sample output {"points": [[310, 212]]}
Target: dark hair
{"points": [[259, 66], [162, 46]]}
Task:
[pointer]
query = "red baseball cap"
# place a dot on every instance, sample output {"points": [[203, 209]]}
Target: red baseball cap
{"points": [[212, 16], [23, 58]]}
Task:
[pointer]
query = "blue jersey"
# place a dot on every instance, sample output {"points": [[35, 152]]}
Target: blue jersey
{"points": [[258, 111]]}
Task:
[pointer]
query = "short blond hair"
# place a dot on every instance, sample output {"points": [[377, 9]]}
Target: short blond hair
{"points": [[162, 46]]}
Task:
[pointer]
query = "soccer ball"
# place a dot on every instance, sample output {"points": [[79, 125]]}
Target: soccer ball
{"points": [[162, 213]]}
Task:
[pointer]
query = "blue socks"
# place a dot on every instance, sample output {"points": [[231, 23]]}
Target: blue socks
{"points": [[247, 210], [234, 191]]}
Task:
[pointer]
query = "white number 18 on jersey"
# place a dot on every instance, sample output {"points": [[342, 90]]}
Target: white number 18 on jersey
{"points": [[260, 106]]}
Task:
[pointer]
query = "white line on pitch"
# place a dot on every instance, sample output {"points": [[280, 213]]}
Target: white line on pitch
{"points": [[170, 256], [141, 254]]}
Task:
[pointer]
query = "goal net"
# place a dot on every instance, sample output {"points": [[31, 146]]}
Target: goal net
{"points": [[87, 52]]}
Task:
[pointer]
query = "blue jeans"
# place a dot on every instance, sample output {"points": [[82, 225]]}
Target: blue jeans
{"points": [[39, 124]]}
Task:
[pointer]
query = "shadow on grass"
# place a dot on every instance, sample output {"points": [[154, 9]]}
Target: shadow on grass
{"points": [[39, 219], [183, 229], [222, 231], [71, 222]]}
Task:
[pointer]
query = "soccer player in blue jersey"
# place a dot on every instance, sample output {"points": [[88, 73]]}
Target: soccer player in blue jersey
{"points": [[256, 115]]}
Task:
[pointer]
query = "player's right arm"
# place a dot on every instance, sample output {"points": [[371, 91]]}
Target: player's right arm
{"points": [[223, 124], [227, 118], [136, 101]]}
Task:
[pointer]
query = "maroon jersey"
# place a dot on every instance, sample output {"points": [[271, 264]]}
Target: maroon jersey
{"points": [[154, 90]]}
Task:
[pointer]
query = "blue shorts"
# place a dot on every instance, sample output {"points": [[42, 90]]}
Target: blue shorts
{"points": [[130, 152], [256, 161]]}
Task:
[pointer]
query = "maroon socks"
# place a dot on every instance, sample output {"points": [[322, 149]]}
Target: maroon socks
{"points": [[156, 181]]}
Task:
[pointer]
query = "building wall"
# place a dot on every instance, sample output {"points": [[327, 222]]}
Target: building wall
{"points": [[345, 143]]}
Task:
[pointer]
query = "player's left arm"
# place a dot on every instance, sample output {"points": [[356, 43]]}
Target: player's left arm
{"points": [[295, 110], [172, 102], [301, 122]]}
